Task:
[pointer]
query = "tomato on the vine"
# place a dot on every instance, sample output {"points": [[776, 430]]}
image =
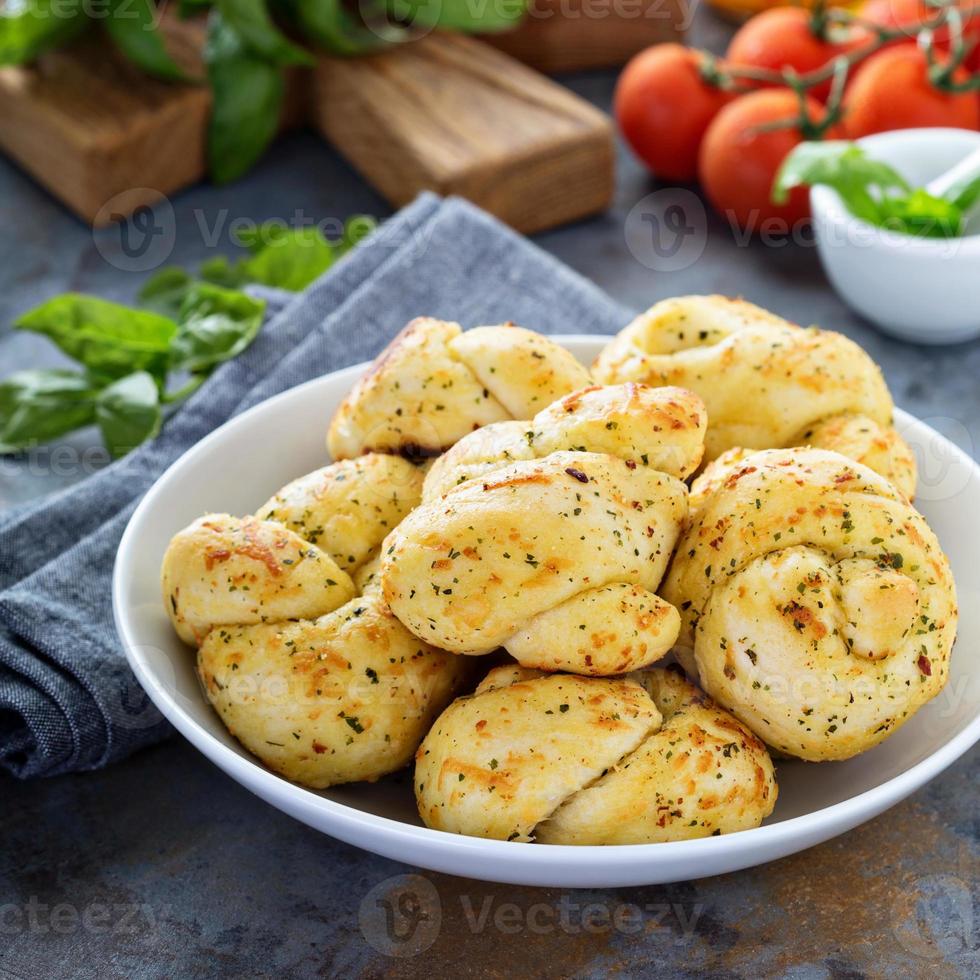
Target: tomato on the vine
{"points": [[744, 147], [663, 104], [783, 38], [892, 90]]}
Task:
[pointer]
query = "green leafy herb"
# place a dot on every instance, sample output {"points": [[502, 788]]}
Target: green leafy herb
{"points": [[109, 339], [37, 406], [251, 21], [329, 25], [165, 290], [873, 191], [128, 412], [31, 27], [246, 50], [247, 91], [216, 324], [132, 24], [287, 258], [458, 15]]}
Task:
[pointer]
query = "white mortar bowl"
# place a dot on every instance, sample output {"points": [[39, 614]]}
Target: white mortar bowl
{"points": [[919, 289]]}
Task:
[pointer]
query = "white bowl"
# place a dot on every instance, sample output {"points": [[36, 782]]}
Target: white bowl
{"points": [[920, 289], [235, 469]]}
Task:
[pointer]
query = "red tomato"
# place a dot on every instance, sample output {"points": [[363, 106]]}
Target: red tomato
{"points": [[663, 106], [739, 157], [781, 38], [891, 90]]}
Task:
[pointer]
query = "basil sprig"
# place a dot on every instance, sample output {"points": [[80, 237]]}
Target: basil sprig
{"points": [[126, 359], [133, 363], [249, 45], [875, 192]]}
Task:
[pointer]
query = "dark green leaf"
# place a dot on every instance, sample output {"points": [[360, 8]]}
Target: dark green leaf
{"points": [[329, 25], [247, 93], [251, 22], [165, 290], [37, 406], [31, 27], [459, 15], [191, 8], [109, 339], [216, 325], [128, 412], [132, 24]]}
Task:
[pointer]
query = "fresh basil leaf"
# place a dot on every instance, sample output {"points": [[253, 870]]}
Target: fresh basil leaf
{"points": [[332, 28], [251, 21], [247, 98], [165, 290], [291, 260], [28, 28], [40, 405], [259, 236], [846, 168], [222, 272], [921, 214], [459, 15], [216, 325], [109, 339], [132, 25], [128, 412]]}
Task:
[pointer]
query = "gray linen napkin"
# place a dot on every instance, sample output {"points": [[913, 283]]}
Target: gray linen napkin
{"points": [[68, 701]]}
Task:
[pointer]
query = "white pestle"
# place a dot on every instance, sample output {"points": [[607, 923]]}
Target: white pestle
{"points": [[954, 180]]}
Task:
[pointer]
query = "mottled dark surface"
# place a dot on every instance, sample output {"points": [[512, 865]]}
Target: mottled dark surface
{"points": [[163, 867]]}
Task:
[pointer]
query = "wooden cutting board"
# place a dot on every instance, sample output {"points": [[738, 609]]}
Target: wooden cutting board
{"points": [[446, 113], [450, 114]]}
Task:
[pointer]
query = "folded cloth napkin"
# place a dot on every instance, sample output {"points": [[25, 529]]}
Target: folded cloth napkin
{"points": [[68, 701]]}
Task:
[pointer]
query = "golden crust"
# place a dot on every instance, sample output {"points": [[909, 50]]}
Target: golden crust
{"points": [[433, 384], [223, 570], [306, 666], [817, 604], [573, 760], [659, 428], [522, 369], [470, 570], [879, 447], [348, 507], [342, 698], [765, 381]]}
